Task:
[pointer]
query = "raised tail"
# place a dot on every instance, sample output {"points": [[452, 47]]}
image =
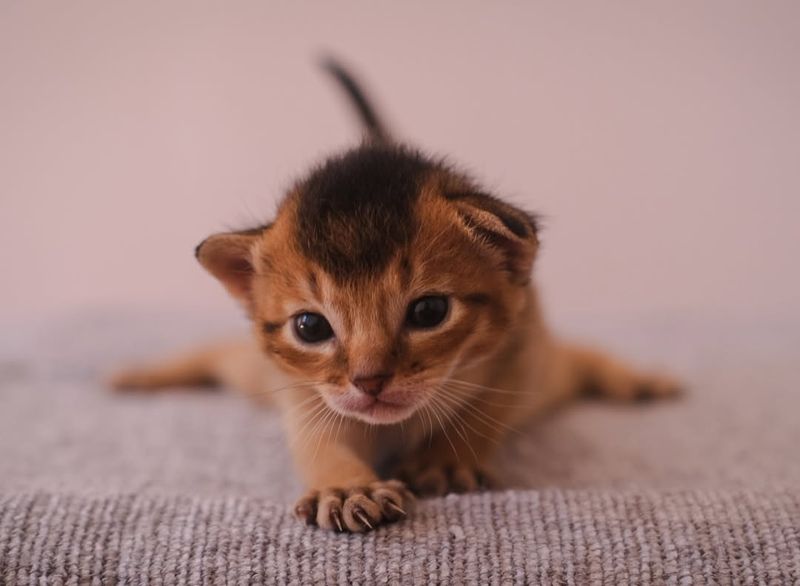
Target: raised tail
{"points": [[373, 127]]}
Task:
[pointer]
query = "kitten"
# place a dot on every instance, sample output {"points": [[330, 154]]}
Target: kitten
{"points": [[395, 325]]}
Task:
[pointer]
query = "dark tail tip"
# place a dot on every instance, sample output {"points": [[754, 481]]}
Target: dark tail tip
{"points": [[374, 128]]}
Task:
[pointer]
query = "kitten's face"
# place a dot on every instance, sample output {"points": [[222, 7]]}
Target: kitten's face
{"points": [[379, 319]]}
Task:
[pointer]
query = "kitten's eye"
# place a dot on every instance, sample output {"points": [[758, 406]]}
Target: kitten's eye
{"points": [[427, 312], [312, 328]]}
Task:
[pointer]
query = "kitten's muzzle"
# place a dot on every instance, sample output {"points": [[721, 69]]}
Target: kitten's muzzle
{"points": [[372, 385]]}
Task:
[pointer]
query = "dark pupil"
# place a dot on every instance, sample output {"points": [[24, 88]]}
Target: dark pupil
{"points": [[427, 312], [312, 327]]}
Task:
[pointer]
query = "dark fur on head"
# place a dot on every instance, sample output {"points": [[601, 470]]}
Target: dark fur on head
{"points": [[356, 210]]}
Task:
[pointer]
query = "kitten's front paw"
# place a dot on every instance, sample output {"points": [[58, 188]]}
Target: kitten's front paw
{"points": [[437, 479], [356, 509]]}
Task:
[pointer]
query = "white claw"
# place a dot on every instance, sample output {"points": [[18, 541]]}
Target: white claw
{"points": [[363, 518], [337, 520], [396, 508]]}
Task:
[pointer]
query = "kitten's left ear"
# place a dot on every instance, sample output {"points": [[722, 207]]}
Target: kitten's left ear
{"points": [[229, 258], [507, 231]]}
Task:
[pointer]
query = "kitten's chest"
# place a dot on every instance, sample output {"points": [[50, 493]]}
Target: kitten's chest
{"points": [[390, 444]]}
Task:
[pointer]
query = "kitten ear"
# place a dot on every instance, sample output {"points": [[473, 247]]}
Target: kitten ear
{"points": [[506, 230], [229, 258]]}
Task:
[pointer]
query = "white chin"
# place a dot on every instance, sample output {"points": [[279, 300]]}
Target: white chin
{"points": [[383, 413]]}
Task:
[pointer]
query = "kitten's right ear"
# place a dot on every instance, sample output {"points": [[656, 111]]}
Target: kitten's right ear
{"points": [[229, 258], [504, 229]]}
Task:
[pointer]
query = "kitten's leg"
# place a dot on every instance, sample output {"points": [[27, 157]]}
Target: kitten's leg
{"points": [[237, 364], [457, 458], [345, 493], [595, 373]]}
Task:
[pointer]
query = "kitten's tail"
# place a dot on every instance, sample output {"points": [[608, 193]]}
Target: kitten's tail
{"points": [[373, 127]]}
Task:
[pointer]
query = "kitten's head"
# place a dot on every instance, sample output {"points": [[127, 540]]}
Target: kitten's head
{"points": [[382, 273]]}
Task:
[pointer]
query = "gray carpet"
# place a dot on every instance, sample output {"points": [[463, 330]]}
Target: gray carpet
{"points": [[564, 537], [195, 488]]}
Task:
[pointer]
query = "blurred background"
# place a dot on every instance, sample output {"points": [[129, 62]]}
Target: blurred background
{"points": [[661, 143]]}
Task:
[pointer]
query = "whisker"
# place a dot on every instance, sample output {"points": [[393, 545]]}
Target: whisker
{"points": [[466, 422], [339, 427], [458, 419], [294, 386], [302, 404], [288, 387], [443, 427], [312, 411], [430, 423], [308, 420], [463, 383], [485, 416], [324, 414], [467, 395], [324, 432]]}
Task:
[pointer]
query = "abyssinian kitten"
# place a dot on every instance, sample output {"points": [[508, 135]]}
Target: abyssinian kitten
{"points": [[395, 325]]}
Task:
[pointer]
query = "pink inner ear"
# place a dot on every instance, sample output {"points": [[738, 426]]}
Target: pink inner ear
{"points": [[492, 232], [518, 253], [237, 275], [227, 257], [239, 265]]}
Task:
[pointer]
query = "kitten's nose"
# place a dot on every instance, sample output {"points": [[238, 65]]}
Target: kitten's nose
{"points": [[371, 385]]}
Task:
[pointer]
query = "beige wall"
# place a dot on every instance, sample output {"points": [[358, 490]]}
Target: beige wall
{"points": [[661, 140]]}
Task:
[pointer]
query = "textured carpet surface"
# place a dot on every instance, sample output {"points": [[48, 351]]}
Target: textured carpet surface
{"points": [[564, 537], [195, 488]]}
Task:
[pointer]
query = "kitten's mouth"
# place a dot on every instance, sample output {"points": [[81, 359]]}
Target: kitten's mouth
{"points": [[377, 410], [385, 412]]}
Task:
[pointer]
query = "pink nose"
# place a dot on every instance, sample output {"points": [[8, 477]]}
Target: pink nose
{"points": [[371, 385]]}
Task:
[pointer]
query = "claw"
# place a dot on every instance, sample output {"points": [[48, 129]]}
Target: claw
{"points": [[396, 508], [337, 519], [358, 513], [306, 514]]}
